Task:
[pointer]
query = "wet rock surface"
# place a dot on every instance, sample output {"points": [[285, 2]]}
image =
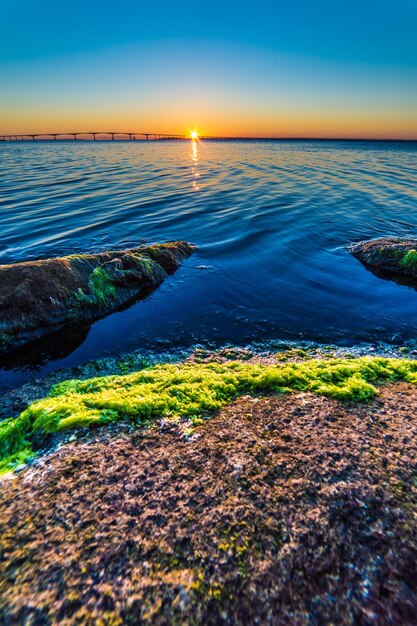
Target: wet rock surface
{"points": [[389, 258], [280, 510], [38, 297]]}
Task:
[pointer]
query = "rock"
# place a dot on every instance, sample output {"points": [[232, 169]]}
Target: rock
{"points": [[390, 258], [39, 297]]}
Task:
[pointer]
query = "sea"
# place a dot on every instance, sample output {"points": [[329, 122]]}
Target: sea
{"points": [[272, 222]]}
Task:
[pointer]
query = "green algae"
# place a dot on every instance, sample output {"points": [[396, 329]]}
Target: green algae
{"points": [[101, 286], [409, 261], [4, 339], [292, 353], [188, 390], [101, 291], [10, 462]]}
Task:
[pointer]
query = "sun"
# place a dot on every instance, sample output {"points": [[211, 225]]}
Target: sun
{"points": [[194, 134]]}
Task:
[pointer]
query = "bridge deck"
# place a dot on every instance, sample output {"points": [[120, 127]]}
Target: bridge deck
{"points": [[99, 136]]}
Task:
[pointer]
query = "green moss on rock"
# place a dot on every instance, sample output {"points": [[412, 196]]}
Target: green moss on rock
{"points": [[4, 339], [389, 256], [38, 297], [102, 287], [409, 261], [101, 291], [190, 390]]}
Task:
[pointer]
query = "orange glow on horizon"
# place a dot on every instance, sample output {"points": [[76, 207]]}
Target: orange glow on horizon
{"points": [[325, 122]]}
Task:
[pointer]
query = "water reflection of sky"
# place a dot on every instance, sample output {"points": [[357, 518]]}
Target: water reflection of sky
{"points": [[271, 220]]}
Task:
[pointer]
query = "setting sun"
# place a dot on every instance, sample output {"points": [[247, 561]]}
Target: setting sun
{"points": [[194, 134]]}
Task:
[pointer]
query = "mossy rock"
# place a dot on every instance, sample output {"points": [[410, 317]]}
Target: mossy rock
{"points": [[389, 258], [188, 390], [39, 297]]}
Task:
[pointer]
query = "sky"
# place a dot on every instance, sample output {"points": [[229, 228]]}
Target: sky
{"points": [[293, 68]]}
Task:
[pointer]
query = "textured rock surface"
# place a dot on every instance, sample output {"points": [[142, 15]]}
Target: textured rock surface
{"points": [[293, 510], [38, 297], [389, 258]]}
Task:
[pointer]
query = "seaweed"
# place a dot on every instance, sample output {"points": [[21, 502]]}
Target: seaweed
{"points": [[409, 261], [194, 391]]}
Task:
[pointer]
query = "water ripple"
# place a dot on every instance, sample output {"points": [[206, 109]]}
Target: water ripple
{"points": [[272, 218]]}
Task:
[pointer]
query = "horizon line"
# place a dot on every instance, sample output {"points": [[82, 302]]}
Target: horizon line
{"points": [[155, 136]]}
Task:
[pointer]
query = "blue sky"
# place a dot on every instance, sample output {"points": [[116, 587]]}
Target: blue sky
{"points": [[248, 66]]}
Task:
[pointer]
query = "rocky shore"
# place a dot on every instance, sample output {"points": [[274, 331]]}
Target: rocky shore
{"points": [[191, 390], [390, 258], [289, 509], [231, 488], [39, 297]]}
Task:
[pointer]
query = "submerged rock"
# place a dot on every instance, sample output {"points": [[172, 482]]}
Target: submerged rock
{"points": [[390, 258], [38, 297]]}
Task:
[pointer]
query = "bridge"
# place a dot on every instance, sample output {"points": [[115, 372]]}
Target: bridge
{"points": [[100, 136], [116, 136]]}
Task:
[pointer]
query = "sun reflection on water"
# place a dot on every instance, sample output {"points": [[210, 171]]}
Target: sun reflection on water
{"points": [[194, 168]]}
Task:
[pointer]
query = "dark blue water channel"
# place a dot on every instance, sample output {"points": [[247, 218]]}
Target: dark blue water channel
{"points": [[271, 221]]}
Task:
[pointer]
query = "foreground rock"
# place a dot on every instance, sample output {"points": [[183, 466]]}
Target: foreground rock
{"points": [[294, 510], [38, 297], [390, 258]]}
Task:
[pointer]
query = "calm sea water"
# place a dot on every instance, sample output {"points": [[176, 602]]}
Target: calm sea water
{"points": [[271, 220]]}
